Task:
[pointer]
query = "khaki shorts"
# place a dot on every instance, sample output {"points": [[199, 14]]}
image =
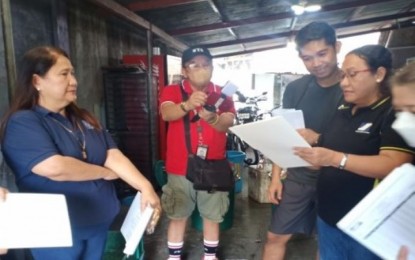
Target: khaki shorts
{"points": [[179, 199]]}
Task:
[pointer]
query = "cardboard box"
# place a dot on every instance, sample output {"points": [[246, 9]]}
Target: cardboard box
{"points": [[258, 183]]}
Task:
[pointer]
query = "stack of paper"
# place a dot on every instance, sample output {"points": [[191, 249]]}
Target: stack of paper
{"points": [[275, 138], [384, 220], [293, 116], [29, 220], [135, 224]]}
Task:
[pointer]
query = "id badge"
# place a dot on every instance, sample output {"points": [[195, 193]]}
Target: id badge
{"points": [[202, 151]]}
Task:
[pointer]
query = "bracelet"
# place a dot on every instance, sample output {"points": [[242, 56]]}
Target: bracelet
{"points": [[343, 162], [183, 107], [215, 122]]}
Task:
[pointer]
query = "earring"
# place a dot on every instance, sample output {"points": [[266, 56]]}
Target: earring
{"points": [[378, 80], [38, 89]]}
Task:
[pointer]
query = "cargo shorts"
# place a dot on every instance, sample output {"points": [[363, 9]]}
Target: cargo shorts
{"points": [[179, 200]]}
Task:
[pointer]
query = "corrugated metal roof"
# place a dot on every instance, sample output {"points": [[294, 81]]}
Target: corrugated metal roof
{"points": [[229, 27]]}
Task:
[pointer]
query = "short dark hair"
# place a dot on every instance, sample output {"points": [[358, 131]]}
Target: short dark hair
{"points": [[404, 76], [376, 56], [315, 31]]}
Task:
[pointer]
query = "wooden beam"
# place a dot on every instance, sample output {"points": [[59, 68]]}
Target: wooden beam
{"points": [[139, 6], [270, 18], [6, 17], [60, 25], [248, 40], [130, 16], [249, 51]]}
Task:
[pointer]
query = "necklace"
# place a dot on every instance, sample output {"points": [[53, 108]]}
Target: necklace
{"points": [[82, 143]]}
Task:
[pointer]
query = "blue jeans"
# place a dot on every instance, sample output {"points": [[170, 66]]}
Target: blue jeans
{"points": [[334, 244]]}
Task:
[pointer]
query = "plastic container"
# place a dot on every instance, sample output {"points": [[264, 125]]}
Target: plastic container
{"points": [[115, 246], [236, 159]]}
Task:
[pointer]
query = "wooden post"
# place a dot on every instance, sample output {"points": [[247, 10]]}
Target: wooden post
{"points": [[8, 46]]}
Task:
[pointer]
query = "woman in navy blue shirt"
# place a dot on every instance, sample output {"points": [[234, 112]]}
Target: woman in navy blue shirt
{"points": [[53, 146]]}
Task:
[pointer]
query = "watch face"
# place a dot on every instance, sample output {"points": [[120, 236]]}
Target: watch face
{"points": [[343, 161]]}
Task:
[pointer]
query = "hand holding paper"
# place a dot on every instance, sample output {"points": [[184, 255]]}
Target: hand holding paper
{"points": [[3, 193], [275, 138], [134, 225], [220, 101]]}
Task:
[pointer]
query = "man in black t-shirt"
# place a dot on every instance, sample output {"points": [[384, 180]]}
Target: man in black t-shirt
{"points": [[317, 95]]}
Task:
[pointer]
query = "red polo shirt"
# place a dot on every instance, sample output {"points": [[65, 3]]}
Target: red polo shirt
{"points": [[176, 157]]}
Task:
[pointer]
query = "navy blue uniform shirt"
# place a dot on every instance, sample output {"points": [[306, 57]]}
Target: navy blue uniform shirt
{"points": [[32, 136]]}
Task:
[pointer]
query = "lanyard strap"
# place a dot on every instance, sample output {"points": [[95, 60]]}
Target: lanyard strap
{"points": [[186, 121]]}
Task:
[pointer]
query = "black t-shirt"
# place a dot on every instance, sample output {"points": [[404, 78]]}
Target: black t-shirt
{"points": [[365, 133], [318, 105]]}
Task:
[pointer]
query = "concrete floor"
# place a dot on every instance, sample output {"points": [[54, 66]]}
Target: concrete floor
{"points": [[244, 240]]}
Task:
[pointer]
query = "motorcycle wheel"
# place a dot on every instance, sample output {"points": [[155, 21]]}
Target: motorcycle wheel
{"points": [[252, 155]]}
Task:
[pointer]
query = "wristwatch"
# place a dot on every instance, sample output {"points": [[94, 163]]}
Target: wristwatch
{"points": [[343, 162]]}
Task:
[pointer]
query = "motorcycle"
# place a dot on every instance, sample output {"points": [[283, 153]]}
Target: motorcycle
{"points": [[250, 111], [246, 114]]}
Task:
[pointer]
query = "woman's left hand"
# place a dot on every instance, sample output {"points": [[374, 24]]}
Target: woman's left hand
{"points": [[316, 156], [149, 197], [3, 193], [309, 135]]}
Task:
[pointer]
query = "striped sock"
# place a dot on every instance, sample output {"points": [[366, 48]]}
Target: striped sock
{"points": [[175, 250], [210, 249]]}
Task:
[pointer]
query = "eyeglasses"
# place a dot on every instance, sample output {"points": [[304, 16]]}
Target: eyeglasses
{"points": [[196, 66], [351, 74]]}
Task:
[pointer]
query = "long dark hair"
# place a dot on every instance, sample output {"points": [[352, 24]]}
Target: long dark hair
{"points": [[38, 61]]}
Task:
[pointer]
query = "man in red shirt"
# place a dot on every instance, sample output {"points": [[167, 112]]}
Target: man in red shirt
{"points": [[207, 136]]}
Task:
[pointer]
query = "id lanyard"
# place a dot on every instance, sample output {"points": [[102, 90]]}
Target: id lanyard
{"points": [[201, 148]]}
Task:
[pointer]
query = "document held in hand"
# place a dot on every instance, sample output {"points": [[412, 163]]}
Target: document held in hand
{"points": [[30, 220], [275, 138], [135, 224], [383, 221]]}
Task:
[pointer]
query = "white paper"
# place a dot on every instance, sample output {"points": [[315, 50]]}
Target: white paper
{"points": [[135, 224], [229, 89], [29, 220], [384, 220], [275, 138], [293, 116]]}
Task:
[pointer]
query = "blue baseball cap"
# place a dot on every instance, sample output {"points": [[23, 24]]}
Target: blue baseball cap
{"points": [[193, 52]]}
